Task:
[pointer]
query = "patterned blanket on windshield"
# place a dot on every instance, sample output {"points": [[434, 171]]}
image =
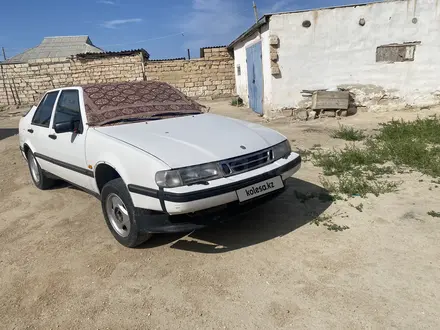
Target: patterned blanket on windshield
{"points": [[106, 103]]}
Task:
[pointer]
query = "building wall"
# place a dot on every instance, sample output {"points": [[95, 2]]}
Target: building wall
{"points": [[209, 77], [337, 51], [24, 83], [240, 60]]}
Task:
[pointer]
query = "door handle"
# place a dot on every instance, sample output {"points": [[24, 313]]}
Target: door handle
{"points": [[53, 136], [30, 130]]}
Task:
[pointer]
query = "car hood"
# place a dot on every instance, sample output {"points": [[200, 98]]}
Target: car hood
{"points": [[192, 140]]}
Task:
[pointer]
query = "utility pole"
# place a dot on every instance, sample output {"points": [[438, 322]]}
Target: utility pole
{"points": [[189, 54], [4, 54], [255, 11]]}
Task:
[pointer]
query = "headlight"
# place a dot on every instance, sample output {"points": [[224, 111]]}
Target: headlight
{"points": [[188, 175], [168, 179], [281, 150], [202, 173]]}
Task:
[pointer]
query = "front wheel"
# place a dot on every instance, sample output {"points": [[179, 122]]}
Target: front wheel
{"points": [[119, 214]]}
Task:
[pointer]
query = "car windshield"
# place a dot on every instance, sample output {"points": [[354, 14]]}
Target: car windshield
{"points": [[135, 101]]}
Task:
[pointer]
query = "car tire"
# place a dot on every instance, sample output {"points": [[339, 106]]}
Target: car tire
{"points": [[39, 178], [119, 214]]}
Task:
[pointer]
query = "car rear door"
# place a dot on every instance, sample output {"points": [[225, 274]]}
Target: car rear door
{"points": [[67, 150]]}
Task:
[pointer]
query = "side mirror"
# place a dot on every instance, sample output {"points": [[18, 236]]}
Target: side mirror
{"points": [[64, 127]]}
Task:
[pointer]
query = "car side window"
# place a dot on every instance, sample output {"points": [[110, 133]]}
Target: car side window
{"points": [[44, 111], [68, 108]]}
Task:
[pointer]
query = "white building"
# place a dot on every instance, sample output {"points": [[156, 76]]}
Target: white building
{"points": [[386, 53]]}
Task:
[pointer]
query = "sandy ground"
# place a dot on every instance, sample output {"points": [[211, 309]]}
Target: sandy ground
{"points": [[61, 268]]}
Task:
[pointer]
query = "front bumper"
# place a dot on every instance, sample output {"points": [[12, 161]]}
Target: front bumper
{"points": [[157, 223], [190, 199], [197, 209]]}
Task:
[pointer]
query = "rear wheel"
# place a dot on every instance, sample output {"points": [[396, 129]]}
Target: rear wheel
{"points": [[40, 180], [119, 213]]}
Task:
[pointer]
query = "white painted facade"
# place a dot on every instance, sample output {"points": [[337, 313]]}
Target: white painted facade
{"points": [[337, 51]]}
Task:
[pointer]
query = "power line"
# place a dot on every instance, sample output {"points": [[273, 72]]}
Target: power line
{"points": [[182, 33], [145, 40]]}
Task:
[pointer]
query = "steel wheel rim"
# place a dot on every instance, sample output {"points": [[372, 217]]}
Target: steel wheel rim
{"points": [[34, 169], [118, 215]]}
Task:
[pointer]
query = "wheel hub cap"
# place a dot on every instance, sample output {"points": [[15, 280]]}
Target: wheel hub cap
{"points": [[34, 169], [118, 215]]}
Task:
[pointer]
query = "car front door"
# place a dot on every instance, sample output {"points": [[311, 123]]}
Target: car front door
{"points": [[66, 149], [38, 129]]}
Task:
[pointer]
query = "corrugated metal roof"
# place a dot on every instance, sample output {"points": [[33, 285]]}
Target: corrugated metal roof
{"points": [[262, 21], [169, 59], [214, 47], [52, 47], [114, 54]]}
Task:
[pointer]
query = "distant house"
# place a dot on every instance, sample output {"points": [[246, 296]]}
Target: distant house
{"points": [[56, 47], [384, 52]]}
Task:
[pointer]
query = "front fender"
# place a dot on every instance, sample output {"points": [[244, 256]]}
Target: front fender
{"points": [[134, 165], [110, 160]]}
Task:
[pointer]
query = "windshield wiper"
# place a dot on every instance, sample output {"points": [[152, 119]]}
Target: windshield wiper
{"points": [[156, 116], [171, 114], [125, 120]]}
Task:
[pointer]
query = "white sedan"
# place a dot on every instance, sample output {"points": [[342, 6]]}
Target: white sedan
{"points": [[155, 159]]}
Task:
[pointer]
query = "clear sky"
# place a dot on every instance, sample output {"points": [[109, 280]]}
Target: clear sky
{"points": [[165, 28]]}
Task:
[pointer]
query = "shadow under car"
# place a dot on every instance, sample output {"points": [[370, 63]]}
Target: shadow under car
{"points": [[7, 132], [276, 218]]}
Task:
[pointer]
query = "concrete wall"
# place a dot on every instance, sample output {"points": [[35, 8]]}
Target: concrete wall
{"points": [[24, 83], [337, 51], [240, 59], [209, 77]]}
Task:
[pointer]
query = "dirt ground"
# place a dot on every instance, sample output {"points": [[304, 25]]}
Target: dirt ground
{"points": [[61, 268]]}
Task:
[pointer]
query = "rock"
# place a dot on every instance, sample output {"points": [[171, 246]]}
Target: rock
{"points": [[312, 115], [288, 112], [328, 113], [352, 111], [300, 114]]}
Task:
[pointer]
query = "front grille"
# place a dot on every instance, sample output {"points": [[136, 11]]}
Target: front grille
{"points": [[247, 162]]}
